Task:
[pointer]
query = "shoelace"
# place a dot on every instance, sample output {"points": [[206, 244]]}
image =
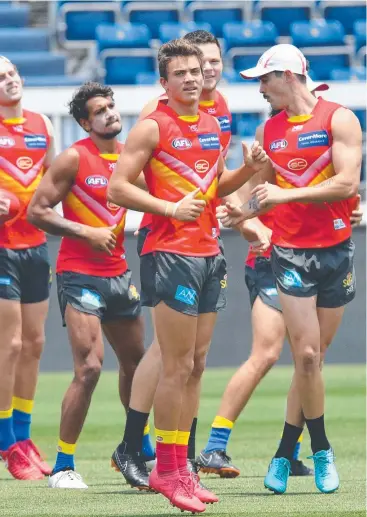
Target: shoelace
{"points": [[224, 456], [280, 462], [182, 487], [323, 462], [72, 475]]}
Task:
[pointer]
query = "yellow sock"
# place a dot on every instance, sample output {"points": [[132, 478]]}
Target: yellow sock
{"points": [[168, 437], [182, 437]]}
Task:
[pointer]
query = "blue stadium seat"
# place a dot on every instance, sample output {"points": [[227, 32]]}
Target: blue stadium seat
{"points": [[249, 34], [14, 16], [359, 31], [122, 66], [153, 14], [77, 21], [37, 63], [346, 12], [168, 31], [16, 40], [52, 80], [147, 78], [323, 63], [216, 15], [317, 33], [284, 13], [245, 58], [355, 73], [361, 115], [231, 76], [122, 35], [247, 125]]}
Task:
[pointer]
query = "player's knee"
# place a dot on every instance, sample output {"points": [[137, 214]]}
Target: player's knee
{"points": [[88, 374], [14, 348], [269, 358], [199, 366], [308, 360], [33, 345]]}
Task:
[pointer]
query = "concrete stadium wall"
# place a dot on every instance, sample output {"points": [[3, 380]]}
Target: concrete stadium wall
{"points": [[232, 337]]}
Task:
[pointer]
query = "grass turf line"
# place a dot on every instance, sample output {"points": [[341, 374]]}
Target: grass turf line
{"points": [[253, 441]]}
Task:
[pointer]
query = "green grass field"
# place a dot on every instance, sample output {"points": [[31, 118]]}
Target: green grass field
{"points": [[253, 442]]}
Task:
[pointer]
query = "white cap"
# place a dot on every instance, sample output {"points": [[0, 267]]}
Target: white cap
{"points": [[280, 57], [315, 87]]}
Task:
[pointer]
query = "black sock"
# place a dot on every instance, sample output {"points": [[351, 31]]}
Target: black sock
{"points": [[134, 431], [290, 436], [316, 428], [191, 448]]}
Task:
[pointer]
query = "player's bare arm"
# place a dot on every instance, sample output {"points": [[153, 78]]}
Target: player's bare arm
{"points": [[347, 158], [122, 191], [53, 188]]}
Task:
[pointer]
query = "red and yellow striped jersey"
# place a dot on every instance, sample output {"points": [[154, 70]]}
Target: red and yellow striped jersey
{"points": [[23, 146], [185, 158], [86, 203], [300, 150]]}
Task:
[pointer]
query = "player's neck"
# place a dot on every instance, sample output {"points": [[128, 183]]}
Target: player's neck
{"points": [[208, 95], [183, 110], [105, 146], [301, 104], [9, 112]]}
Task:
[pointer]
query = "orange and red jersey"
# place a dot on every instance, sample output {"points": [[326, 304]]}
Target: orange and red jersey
{"points": [[186, 157], [86, 203], [217, 108], [300, 150], [23, 147]]}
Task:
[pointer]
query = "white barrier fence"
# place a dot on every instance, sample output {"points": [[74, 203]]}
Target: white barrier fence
{"points": [[242, 98]]}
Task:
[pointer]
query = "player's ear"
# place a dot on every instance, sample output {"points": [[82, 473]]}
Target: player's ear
{"points": [[164, 83], [85, 124]]}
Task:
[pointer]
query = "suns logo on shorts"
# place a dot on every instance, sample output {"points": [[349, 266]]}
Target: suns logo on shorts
{"points": [[134, 292], [223, 283], [348, 283]]}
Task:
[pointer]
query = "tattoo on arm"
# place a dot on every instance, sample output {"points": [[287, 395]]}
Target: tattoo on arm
{"points": [[251, 205], [325, 183]]}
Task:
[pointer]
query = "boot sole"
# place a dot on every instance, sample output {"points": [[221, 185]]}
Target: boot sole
{"points": [[223, 473]]}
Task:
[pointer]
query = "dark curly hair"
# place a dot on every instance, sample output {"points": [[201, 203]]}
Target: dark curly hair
{"points": [[201, 37], [78, 104]]}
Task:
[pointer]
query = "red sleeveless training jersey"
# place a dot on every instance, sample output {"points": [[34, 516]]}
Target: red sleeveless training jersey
{"points": [[87, 204], [185, 158], [217, 108], [301, 155], [23, 147]]}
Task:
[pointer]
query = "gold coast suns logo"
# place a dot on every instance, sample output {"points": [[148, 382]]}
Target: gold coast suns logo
{"points": [[24, 163], [348, 283], [134, 292], [112, 206]]}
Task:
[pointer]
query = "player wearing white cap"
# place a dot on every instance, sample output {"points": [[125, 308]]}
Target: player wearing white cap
{"points": [[315, 149]]}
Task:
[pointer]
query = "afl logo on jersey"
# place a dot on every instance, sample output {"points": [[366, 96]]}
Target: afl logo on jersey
{"points": [[278, 144], [297, 164], [96, 181], [181, 143], [24, 163], [6, 142], [201, 166]]}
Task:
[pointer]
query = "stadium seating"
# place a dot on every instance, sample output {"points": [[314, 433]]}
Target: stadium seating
{"points": [[216, 15], [147, 78], [14, 16], [346, 12], [356, 73], [169, 31], [153, 14], [77, 21], [18, 39], [124, 35], [245, 34], [120, 66], [324, 61], [32, 64], [317, 33], [284, 13], [359, 31]]}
